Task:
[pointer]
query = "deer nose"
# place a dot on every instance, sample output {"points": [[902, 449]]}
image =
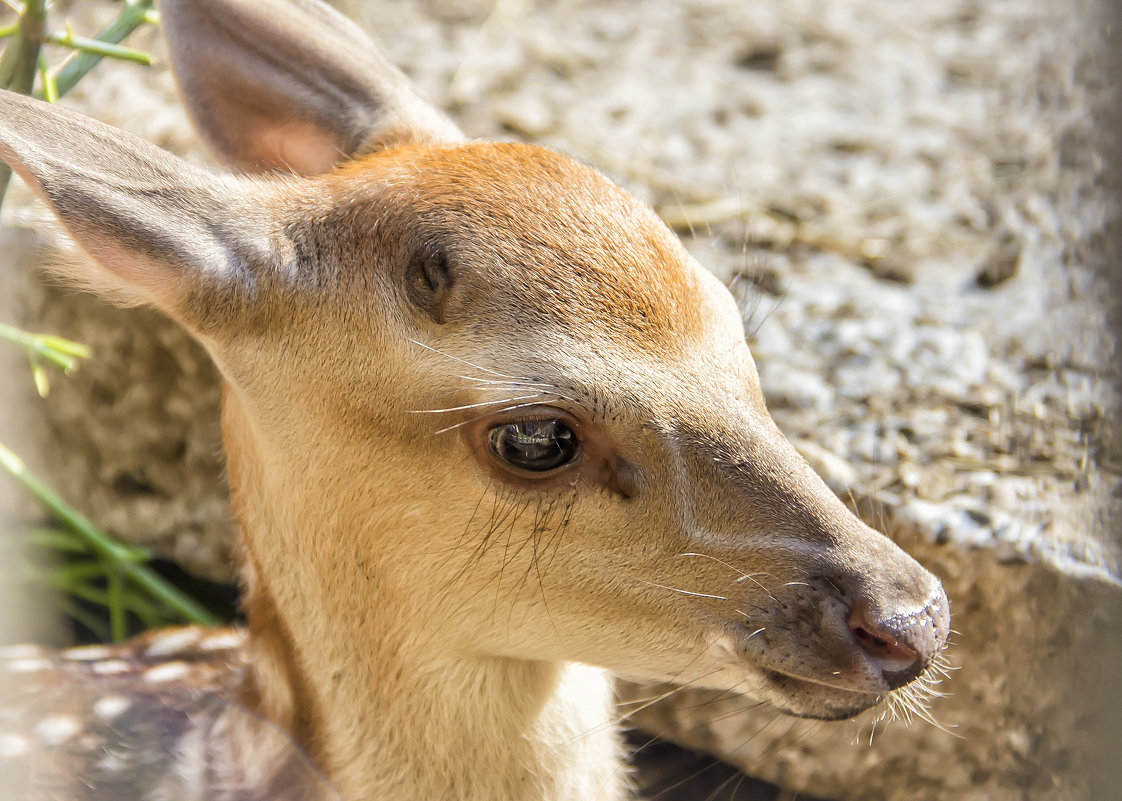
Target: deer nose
{"points": [[903, 645]]}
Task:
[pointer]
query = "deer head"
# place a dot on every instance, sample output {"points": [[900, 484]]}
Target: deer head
{"points": [[482, 408]]}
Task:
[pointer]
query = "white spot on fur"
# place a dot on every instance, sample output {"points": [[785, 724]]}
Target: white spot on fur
{"points": [[111, 667], [173, 642], [12, 745], [169, 672], [57, 729], [87, 653], [111, 706], [28, 665], [223, 641]]}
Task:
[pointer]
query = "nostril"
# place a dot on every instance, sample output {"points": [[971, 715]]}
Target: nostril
{"points": [[884, 646], [902, 645]]}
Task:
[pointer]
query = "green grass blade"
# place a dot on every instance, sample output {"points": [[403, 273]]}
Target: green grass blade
{"points": [[88, 619], [103, 545], [57, 540], [66, 346], [117, 623], [58, 351], [66, 577]]}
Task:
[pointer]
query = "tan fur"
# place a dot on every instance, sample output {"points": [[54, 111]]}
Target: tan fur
{"points": [[420, 616]]}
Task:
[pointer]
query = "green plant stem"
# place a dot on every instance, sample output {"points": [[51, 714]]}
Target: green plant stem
{"points": [[20, 62], [133, 14], [61, 352], [21, 56], [50, 87], [96, 47], [116, 592], [120, 555], [56, 350]]}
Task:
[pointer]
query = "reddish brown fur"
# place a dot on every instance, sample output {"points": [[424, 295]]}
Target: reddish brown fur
{"points": [[572, 246]]}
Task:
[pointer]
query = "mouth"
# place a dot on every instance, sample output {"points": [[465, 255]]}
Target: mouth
{"points": [[822, 697], [806, 698], [798, 696]]}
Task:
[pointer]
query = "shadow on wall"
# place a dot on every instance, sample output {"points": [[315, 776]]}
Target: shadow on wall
{"points": [[667, 772]]}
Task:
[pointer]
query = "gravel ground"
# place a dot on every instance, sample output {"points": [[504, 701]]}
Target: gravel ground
{"points": [[908, 197]]}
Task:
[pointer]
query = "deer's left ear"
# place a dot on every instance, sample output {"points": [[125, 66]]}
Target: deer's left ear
{"points": [[291, 85]]}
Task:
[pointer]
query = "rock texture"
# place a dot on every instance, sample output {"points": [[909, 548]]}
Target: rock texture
{"points": [[909, 199], [1031, 711]]}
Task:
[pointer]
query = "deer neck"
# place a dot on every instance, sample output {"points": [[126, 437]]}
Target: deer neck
{"points": [[370, 697]]}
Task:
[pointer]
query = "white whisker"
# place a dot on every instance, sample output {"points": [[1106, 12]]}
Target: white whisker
{"points": [[462, 423], [683, 592], [495, 402], [743, 576], [514, 383], [461, 361]]}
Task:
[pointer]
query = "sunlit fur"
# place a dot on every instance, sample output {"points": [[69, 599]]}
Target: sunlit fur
{"points": [[420, 617]]}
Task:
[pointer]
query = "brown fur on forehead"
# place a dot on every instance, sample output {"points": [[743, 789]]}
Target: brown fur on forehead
{"points": [[532, 232]]}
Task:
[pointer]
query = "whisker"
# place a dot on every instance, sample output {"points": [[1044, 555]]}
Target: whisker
{"points": [[458, 359], [519, 385], [648, 703], [683, 592], [752, 578], [462, 423], [475, 405], [774, 307], [743, 576], [505, 382]]}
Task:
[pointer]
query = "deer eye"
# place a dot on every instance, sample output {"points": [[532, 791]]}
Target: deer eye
{"points": [[536, 446]]}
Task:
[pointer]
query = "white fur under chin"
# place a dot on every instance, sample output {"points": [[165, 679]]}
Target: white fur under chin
{"points": [[580, 740]]}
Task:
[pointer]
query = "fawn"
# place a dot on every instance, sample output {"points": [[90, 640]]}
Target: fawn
{"points": [[491, 434]]}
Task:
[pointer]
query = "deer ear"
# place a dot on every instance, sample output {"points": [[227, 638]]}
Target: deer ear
{"points": [[161, 231], [290, 85]]}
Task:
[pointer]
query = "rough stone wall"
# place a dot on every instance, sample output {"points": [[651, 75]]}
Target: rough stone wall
{"points": [[910, 195], [1030, 713]]}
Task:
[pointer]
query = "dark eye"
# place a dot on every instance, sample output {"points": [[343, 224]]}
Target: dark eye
{"points": [[534, 445]]}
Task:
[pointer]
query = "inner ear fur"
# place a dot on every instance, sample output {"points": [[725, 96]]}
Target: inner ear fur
{"points": [[291, 85]]}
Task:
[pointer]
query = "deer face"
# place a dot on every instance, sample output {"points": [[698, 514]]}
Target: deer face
{"points": [[540, 420]]}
